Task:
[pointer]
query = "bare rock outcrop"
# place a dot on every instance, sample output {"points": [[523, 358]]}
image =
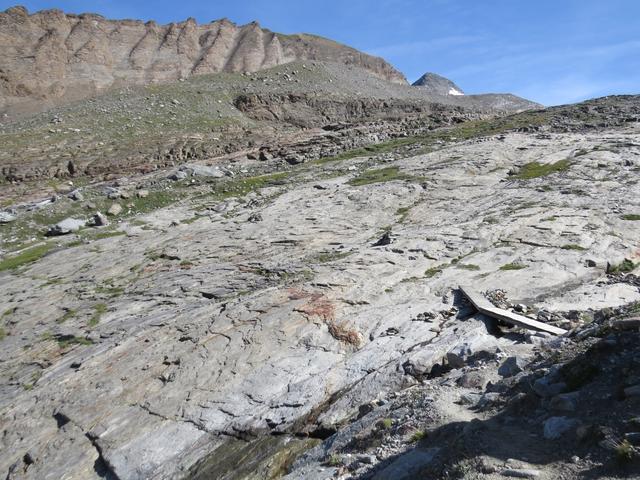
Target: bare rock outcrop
{"points": [[50, 57]]}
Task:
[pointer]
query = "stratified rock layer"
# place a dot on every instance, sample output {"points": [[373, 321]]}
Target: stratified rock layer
{"points": [[50, 57]]}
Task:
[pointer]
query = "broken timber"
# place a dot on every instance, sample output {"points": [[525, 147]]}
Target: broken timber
{"points": [[485, 306]]}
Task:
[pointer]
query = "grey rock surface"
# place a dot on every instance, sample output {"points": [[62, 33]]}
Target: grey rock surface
{"points": [[143, 353]]}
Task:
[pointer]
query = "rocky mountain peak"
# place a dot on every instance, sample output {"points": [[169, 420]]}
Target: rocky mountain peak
{"points": [[437, 85], [49, 58]]}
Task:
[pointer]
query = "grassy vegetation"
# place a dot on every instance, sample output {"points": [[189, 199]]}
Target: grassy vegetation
{"points": [[327, 257], [625, 452], [3, 333], [243, 186], [379, 175], [573, 246], [99, 310], [467, 266], [68, 315], [512, 266], [385, 423], [103, 235], [433, 271], [403, 212], [418, 436], [23, 258], [625, 266], [536, 170], [633, 217], [68, 340], [110, 290]]}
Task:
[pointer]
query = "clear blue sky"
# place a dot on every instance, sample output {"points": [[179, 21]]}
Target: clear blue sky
{"points": [[551, 51]]}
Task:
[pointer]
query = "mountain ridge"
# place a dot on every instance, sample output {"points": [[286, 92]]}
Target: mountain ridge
{"points": [[51, 57]]}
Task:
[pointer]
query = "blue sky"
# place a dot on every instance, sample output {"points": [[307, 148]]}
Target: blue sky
{"points": [[550, 51]]}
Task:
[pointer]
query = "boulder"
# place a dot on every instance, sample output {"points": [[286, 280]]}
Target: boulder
{"points": [[68, 225], [100, 220], [202, 171], [6, 217], [556, 427], [114, 210], [512, 366]]}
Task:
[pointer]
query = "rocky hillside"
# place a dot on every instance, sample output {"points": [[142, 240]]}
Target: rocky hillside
{"points": [[256, 318], [295, 112], [49, 58], [437, 85]]}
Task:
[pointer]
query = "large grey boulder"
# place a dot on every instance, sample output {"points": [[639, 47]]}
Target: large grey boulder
{"points": [[68, 225], [202, 171], [6, 217]]}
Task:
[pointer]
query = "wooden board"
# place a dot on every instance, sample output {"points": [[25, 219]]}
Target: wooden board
{"points": [[485, 306]]}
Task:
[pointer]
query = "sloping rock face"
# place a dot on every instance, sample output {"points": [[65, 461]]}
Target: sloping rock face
{"points": [[218, 313], [50, 57], [438, 85]]}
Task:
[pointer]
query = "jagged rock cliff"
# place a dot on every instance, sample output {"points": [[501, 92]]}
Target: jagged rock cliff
{"points": [[50, 57]]}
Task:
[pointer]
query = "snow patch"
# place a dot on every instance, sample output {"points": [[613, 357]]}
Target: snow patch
{"points": [[453, 91]]}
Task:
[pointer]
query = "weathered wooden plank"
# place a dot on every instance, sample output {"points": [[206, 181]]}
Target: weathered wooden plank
{"points": [[485, 306]]}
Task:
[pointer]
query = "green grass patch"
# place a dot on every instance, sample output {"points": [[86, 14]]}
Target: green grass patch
{"points": [[327, 257], [379, 175], [536, 170], [24, 258], [98, 311], [573, 246], [68, 315], [433, 271], [625, 266], [243, 186], [512, 266], [467, 266], [103, 235], [418, 436], [3, 333], [385, 423], [109, 290], [633, 217], [65, 341]]}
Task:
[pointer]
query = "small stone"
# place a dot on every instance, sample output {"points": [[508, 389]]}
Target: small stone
{"points": [[512, 366], [142, 193], [100, 220], [179, 175], [566, 402], [520, 473], [76, 195], [556, 427], [633, 437], [633, 391], [114, 210], [545, 387], [590, 263], [125, 195]]}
